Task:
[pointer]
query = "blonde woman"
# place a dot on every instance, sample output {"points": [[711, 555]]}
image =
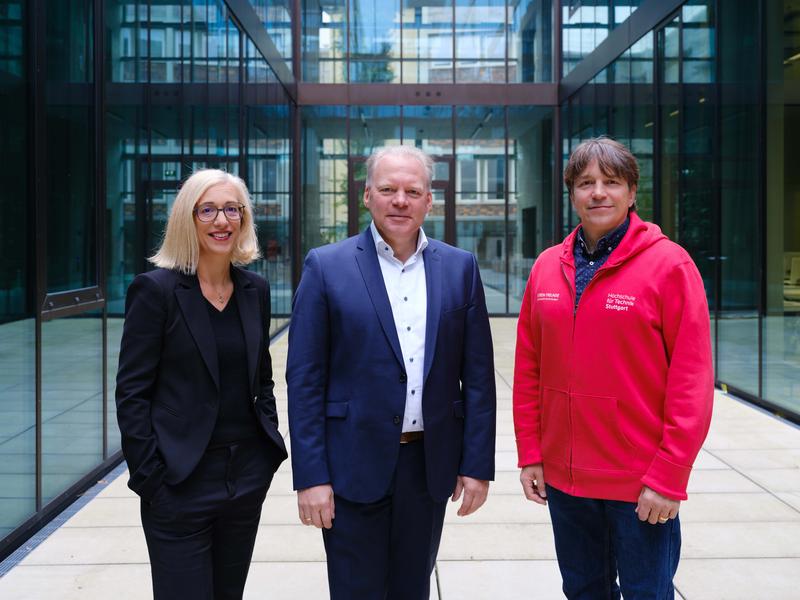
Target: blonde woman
{"points": [[195, 401]]}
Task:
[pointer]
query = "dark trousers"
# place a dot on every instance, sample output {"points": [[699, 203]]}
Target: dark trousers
{"points": [[598, 539], [200, 533], [386, 550]]}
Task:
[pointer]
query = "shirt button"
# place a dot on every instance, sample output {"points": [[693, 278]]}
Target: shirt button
{"points": [[413, 392], [396, 420], [405, 298], [386, 248], [414, 422], [411, 359], [402, 270], [408, 328]]}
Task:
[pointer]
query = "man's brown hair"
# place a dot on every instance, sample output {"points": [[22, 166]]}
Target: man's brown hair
{"points": [[613, 158]]}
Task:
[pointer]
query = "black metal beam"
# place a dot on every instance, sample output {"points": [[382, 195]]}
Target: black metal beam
{"points": [[462, 94], [245, 15], [643, 20]]}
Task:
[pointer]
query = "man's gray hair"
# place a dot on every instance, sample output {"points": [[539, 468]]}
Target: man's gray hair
{"points": [[405, 152]]}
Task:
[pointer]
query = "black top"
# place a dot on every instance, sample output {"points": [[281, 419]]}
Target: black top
{"points": [[235, 420]]}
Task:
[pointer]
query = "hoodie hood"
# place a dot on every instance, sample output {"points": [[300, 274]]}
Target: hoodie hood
{"points": [[640, 236]]}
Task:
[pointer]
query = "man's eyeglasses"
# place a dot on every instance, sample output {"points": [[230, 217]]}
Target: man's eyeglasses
{"points": [[208, 212]]}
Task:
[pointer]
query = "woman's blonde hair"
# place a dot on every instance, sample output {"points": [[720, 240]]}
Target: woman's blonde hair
{"points": [[180, 249]]}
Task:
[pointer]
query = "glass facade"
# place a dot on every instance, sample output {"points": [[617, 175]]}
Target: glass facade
{"points": [[123, 99], [90, 169], [493, 179], [427, 41], [707, 108]]}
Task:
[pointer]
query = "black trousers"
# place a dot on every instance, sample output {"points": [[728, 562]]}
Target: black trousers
{"points": [[200, 533], [386, 550]]}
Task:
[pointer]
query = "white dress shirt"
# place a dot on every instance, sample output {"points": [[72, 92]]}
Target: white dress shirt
{"points": [[405, 286]]}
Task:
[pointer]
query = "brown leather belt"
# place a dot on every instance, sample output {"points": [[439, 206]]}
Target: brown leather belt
{"points": [[410, 436]]}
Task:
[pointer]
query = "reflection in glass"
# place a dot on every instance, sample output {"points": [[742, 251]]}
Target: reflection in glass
{"points": [[370, 127], [269, 181], [431, 129], [480, 28], [740, 254], [324, 36], [481, 195], [781, 327], [427, 41], [530, 41], [324, 179], [276, 16], [374, 41], [530, 181], [72, 400]]}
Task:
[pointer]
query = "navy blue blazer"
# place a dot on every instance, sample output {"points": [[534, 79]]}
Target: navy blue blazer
{"points": [[168, 378], [347, 383]]}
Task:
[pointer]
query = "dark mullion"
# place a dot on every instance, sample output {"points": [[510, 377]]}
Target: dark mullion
{"points": [[242, 66], [38, 134], [450, 236], [717, 183], [100, 197], [507, 199], [296, 200], [453, 44], [657, 116], [761, 155], [297, 47]]}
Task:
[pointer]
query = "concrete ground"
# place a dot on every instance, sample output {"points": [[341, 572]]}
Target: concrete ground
{"points": [[741, 525]]}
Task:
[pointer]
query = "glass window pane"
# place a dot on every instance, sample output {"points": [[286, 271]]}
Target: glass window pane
{"points": [[698, 40], [71, 207], [375, 41], [781, 326], [17, 324], [427, 41], [530, 41], [72, 400], [269, 181], [481, 196], [480, 41], [324, 181], [324, 41], [530, 206], [370, 127]]}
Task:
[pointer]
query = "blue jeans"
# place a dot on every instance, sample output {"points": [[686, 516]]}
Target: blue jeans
{"points": [[596, 540]]}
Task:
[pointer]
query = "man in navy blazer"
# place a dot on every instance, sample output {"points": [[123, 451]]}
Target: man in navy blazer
{"points": [[391, 389]]}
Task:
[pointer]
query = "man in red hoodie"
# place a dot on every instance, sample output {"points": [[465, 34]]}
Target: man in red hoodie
{"points": [[613, 385]]}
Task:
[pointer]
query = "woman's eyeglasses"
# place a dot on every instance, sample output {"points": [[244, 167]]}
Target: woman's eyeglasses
{"points": [[208, 212]]}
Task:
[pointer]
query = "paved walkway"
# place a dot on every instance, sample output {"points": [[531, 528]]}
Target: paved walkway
{"points": [[741, 526]]}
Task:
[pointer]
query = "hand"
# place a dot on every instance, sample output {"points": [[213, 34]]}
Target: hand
{"points": [[532, 479], [655, 508], [475, 492], [315, 506]]}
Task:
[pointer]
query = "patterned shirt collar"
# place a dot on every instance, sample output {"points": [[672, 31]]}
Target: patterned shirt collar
{"points": [[606, 243]]}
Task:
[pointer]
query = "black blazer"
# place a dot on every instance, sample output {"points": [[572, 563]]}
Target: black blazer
{"points": [[168, 379]]}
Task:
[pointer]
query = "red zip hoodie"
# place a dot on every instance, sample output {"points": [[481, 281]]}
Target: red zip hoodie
{"points": [[618, 393]]}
